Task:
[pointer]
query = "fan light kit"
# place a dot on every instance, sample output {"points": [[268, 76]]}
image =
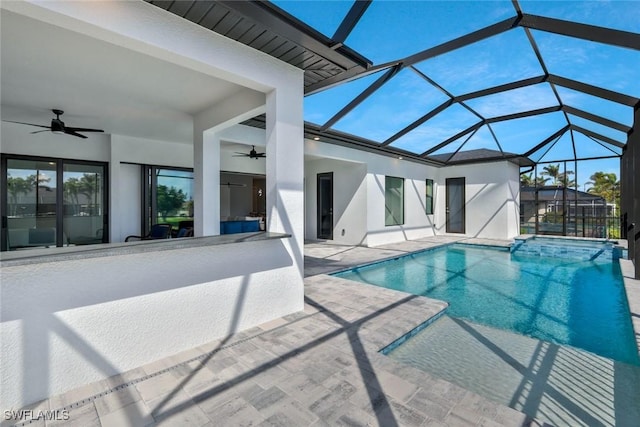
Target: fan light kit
{"points": [[58, 126]]}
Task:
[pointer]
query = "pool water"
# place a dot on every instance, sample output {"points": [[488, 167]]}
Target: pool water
{"points": [[581, 303]]}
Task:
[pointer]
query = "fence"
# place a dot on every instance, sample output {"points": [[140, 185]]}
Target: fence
{"points": [[580, 226]]}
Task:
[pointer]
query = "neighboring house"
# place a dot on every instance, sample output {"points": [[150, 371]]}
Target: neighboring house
{"points": [[551, 199], [549, 203]]}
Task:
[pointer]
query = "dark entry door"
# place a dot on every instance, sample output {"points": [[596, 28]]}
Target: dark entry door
{"points": [[325, 205], [455, 212]]}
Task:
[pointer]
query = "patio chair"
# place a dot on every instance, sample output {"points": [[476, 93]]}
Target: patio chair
{"points": [[185, 232], [158, 231]]}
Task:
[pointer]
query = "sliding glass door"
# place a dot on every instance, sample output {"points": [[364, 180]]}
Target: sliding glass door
{"points": [[168, 197], [52, 202], [84, 203], [31, 203]]}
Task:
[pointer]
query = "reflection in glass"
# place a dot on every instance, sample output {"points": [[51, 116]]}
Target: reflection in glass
{"points": [[31, 203], [429, 197], [393, 201], [174, 198], [83, 190]]}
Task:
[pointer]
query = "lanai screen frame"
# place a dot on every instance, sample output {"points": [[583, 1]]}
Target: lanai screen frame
{"points": [[528, 22]]}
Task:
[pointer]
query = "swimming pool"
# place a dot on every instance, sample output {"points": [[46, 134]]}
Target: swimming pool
{"points": [[575, 302]]}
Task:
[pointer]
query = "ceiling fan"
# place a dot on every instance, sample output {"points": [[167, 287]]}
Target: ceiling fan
{"points": [[58, 126], [252, 154]]}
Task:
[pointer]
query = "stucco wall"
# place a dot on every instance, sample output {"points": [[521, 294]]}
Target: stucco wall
{"points": [[362, 216], [349, 200], [492, 196], [492, 199], [16, 139], [69, 323]]}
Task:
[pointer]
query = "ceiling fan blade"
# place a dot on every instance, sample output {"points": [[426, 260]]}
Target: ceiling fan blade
{"points": [[232, 184], [70, 132], [39, 131], [29, 124], [82, 129]]}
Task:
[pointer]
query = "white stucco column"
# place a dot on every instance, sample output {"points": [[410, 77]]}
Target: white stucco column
{"points": [[206, 183], [285, 166]]}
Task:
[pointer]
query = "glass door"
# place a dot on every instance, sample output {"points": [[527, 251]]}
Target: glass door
{"points": [[52, 202], [31, 204], [455, 209], [84, 214], [325, 205], [167, 198]]}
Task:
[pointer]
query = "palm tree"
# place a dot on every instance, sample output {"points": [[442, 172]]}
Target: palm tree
{"points": [[17, 186], [72, 190], [88, 185], [528, 181], [563, 178], [553, 172], [605, 185]]}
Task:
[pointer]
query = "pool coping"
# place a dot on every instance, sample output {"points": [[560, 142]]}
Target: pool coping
{"points": [[429, 249], [632, 290]]}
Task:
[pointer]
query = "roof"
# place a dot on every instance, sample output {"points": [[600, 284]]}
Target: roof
{"points": [[265, 27], [554, 193], [547, 95], [481, 154]]}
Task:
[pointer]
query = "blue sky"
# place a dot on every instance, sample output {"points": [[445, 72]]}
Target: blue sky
{"points": [[391, 30]]}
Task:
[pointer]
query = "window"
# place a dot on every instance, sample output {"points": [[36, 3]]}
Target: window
{"points": [[429, 197], [393, 200], [53, 202]]}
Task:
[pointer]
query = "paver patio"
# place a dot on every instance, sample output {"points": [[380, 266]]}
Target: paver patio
{"points": [[321, 366]]}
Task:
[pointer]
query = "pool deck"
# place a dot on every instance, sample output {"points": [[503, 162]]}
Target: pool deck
{"points": [[317, 367]]}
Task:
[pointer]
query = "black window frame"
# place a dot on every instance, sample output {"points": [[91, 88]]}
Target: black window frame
{"points": [[150, 191], [428, 198], [386, 206], [59, 162]]}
